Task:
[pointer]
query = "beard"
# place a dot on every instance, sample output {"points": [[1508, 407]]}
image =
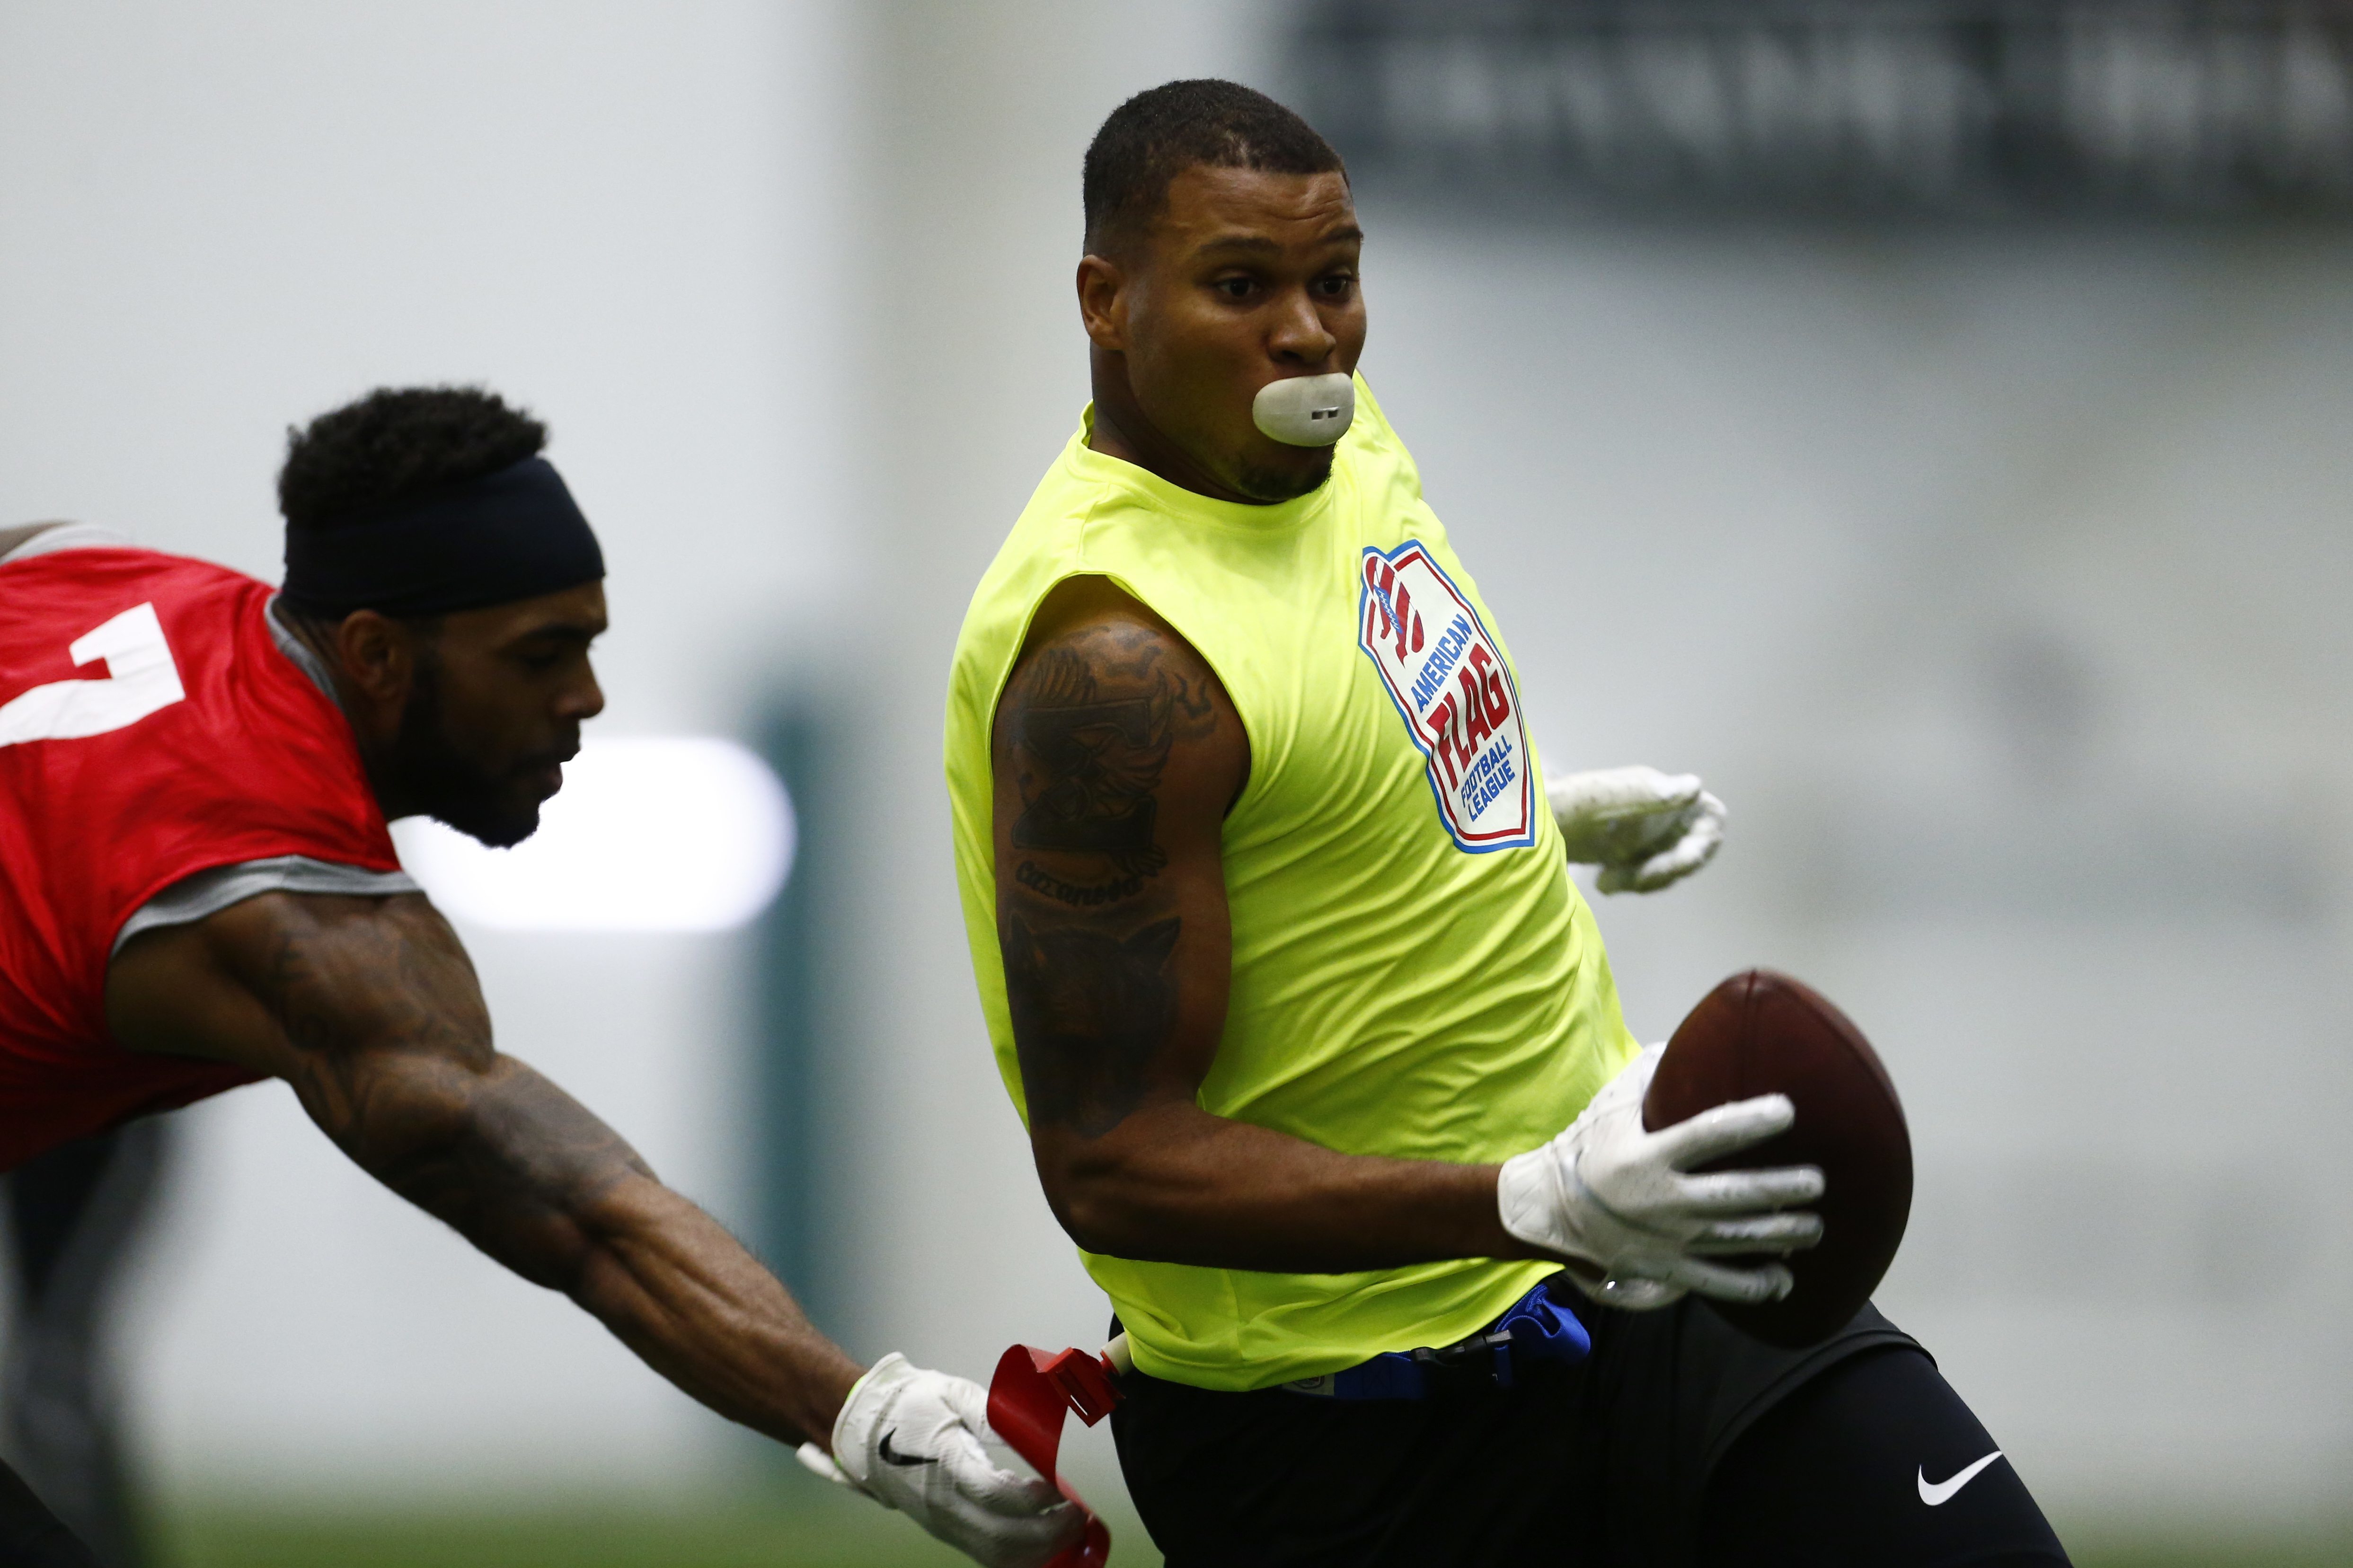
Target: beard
{"points": [[1268, 484], [453, 787]]}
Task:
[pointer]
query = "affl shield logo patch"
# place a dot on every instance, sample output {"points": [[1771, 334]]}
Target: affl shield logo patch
{"points": [[1455, 693]]}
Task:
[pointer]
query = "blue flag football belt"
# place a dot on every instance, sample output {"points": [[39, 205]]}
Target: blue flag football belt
{"points": [[1537, 1331]]}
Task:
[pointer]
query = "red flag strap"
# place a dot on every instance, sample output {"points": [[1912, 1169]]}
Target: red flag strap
{"points": [[1027, 1398]]}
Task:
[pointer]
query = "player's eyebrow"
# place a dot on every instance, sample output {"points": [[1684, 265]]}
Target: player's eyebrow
{"points": [[563, 632], [1260, 244], [1257, 243]]}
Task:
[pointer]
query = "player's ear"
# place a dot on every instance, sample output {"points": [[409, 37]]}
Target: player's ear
{"points": [[379, 656], [1102, 302]]}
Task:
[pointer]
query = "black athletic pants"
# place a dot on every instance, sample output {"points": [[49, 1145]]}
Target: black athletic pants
{"points": [[73, 1215], [1680, 1442], [30, 1535]]}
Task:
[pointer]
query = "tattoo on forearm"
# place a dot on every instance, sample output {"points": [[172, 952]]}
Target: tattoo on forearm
{"points": [[1090, 1012]]}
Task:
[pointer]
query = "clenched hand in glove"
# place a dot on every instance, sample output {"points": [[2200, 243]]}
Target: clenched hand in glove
{"points": [[1623, 1199], [1644, 829], [909, 1439]]}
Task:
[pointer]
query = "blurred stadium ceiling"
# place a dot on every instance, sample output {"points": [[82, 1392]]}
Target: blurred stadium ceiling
{"points": [[1934, 108]]}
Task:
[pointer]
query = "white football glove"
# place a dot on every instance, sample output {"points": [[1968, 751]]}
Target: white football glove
{"points": [[1644, 829], [1617, 1196], [911, 1439]]}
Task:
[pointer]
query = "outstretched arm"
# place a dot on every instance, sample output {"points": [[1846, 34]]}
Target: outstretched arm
{"points": [[370, 1009], [1116, 755]]}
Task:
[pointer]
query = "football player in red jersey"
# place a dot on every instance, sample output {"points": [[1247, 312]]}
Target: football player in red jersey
{"points": [[195, 777]]}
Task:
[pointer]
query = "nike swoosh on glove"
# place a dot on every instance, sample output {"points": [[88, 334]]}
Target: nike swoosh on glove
{"points": [[1623, 1198], [911, 1440], [1644, 829]]}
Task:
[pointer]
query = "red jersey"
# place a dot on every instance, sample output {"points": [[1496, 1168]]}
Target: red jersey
{"points": [[150, 729]]}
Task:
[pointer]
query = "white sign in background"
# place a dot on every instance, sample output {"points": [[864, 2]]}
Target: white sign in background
{"points": [[686, 833]]}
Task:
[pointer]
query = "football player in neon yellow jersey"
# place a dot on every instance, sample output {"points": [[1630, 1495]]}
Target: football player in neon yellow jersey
{"points": [[1316, 1040]]}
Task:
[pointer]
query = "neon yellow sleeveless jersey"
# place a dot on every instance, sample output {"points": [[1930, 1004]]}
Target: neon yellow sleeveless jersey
{"points": [[1414, 974]]}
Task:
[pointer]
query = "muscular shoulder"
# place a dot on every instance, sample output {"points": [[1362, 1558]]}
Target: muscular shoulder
{"points": [[1110, 712], [283, 973], [1091, 622]]}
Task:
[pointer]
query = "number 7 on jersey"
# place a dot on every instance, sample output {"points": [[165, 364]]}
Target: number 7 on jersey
{"points": [[140, 678]]}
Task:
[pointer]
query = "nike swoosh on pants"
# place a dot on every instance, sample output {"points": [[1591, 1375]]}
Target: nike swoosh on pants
{"points": [[1935, 1494]]}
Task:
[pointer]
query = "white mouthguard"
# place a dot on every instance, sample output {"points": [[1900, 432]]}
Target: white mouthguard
{"points": [[1305, 410]]}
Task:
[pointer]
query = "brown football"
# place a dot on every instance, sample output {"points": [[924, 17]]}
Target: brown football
{"points": [[1762, 1032]]}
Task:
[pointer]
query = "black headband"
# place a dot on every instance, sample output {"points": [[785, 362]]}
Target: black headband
{"points": [[510, 535]]}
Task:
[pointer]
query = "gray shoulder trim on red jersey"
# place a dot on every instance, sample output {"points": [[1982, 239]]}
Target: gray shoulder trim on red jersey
{"points": [[67, 536], [298, 651], [192, 898]]}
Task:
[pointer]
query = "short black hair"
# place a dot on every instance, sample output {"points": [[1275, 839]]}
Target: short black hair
{"points": [[397, 442], [1159, 134]]}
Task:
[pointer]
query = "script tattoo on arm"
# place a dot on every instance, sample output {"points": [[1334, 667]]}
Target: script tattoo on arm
{"points": [[1116, 756]]}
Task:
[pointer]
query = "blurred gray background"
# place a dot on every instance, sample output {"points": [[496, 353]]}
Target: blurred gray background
{"points": [[1985, 544]]}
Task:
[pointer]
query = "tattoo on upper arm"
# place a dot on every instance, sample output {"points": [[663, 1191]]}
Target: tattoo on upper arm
{"points": [[394, 1060], [400, 978], [1092, 731], [1088, 931], [1091, 1010]]}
